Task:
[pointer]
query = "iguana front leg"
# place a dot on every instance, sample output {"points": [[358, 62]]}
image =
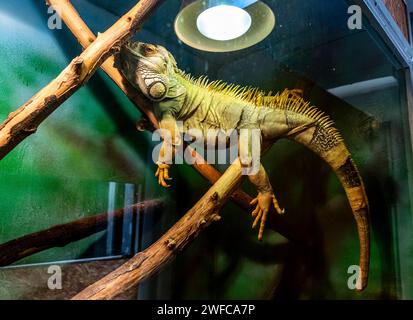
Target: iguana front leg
{"points": [[171, 138], [162, 172]]}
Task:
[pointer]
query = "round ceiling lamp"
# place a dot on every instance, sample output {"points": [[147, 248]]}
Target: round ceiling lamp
{"points": [[213, 22], [224, 25]]}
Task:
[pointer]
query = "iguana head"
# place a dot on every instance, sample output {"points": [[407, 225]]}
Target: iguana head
{"points": [[148, 67]]}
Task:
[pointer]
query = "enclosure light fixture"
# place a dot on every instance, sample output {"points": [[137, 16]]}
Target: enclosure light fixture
{"points": [[223, 25], [223, 22]]}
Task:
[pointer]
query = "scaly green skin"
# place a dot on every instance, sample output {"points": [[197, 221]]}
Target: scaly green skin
{"points": [[205, 105]]}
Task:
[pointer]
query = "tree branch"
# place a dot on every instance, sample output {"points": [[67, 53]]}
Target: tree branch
{"points": [[85, 37], [25, 120], [63, 234], [149, 261]]}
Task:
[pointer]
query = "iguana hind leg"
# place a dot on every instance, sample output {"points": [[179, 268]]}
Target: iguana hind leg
{"points": [[248, 151], [264, 200]]}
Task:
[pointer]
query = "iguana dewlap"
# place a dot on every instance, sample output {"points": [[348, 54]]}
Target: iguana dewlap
{"points": [[204, 105]]}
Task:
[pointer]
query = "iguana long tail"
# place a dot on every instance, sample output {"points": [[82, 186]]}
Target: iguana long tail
{"points": [[325, 141]]}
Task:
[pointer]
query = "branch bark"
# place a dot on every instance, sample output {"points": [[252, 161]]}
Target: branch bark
{"points": [[149, 261], [25, 120], [85, 37], [63, 234]]}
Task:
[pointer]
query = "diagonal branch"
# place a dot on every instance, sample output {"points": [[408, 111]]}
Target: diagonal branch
{"points": [[63, 234], [85, 37], [25, 120], [149, 261]]}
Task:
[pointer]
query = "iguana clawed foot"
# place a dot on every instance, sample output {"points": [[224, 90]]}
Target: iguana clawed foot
{"points": [[163, 174], [263, 202]]}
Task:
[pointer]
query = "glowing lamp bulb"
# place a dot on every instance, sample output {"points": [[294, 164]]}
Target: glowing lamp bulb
{"points": [[223, 22]]}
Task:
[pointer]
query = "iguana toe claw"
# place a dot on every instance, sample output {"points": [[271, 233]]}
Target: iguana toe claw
{"points": [[277, 206], [163, 174], [257, 219], [166, 175], [255, 212], [263, 203], [261, 215]]}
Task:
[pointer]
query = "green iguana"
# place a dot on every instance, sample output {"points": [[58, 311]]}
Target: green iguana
{"points": [[204, 105]]}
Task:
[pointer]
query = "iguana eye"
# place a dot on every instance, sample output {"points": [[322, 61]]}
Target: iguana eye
{"points": [[150, 49]]}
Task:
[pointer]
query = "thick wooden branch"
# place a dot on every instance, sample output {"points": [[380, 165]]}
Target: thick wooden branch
{"points": [[63, 234], [25, 120], [149, 261], [85, 37]]}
